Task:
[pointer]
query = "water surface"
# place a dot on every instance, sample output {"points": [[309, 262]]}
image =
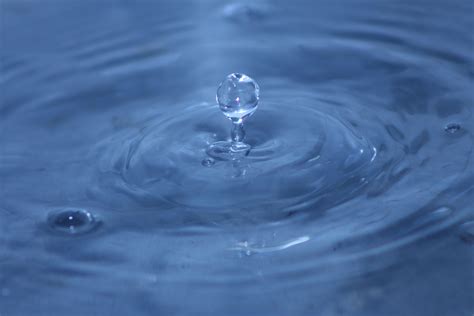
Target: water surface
{"points": [[356, 198]]}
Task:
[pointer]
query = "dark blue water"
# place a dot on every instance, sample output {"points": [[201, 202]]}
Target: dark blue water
{"points": [[356, 198]]}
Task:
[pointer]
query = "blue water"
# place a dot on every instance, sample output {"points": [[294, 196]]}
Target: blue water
{"points": [[356, 197]]}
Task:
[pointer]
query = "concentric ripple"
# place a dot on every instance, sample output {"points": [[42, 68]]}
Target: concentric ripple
{"points": [[300, 156], [360, 180]]}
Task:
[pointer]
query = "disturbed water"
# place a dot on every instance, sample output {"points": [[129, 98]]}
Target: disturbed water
{"points": [[356, 198]]}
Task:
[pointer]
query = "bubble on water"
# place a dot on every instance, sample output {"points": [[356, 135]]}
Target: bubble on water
{"points": [[467, 232], [208, 162], [238, 96], [72, 221], [452, 128]]}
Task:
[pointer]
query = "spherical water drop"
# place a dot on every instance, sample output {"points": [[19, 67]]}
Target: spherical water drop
{"points": [[72, 222], [238, 96]]}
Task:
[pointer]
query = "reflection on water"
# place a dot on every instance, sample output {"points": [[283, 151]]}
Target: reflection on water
{"points": [[356, 198]]}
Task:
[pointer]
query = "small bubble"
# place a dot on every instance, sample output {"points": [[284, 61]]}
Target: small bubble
{"points": [[72, 222], [208, 162], [452, 128], [467, 232]]}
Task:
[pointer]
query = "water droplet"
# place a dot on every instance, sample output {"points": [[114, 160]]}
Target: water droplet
{"points": [[467, 232], [452, 128], [238, 96], [208, 162], [73, 222]]}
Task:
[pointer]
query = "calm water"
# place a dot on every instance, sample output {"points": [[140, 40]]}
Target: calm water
{"points": [[357, 198]]}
